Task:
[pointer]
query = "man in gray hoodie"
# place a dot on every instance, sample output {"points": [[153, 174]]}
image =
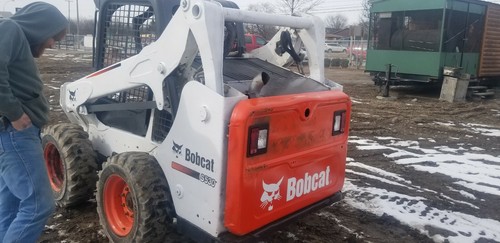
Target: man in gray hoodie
{"points": [[26, 200]]}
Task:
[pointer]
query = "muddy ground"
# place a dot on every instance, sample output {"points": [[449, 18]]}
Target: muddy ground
{"points": [[412, 113]]}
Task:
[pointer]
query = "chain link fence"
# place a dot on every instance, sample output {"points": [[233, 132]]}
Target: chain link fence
{"points": [[345, 53], [352, 53], [73, 42]]}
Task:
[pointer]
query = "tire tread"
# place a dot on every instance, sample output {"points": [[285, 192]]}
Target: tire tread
{"points": [[151, 189], [79, 158]]}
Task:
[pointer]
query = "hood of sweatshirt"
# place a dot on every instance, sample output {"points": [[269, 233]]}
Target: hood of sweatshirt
{"points": [[39, 22]]}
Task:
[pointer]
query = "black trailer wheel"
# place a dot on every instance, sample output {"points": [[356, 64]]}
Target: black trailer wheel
{"points": [[71, 163], [133, 199]]}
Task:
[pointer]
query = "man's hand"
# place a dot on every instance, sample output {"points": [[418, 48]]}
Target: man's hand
{"points": [[22, 123]]}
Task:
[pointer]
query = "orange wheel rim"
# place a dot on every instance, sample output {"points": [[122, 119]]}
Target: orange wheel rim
{"points": [[54, 165], [118, 205]]}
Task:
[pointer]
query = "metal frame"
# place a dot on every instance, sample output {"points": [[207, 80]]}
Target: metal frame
{"points": [[104, 17]]}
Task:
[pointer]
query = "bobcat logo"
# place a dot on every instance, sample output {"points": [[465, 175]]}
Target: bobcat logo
{"points": [[271, 193], [72, 95], [177, 148]]}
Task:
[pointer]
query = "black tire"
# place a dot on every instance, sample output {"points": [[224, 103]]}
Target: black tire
{"points": [[136, 179], [71, 163]]}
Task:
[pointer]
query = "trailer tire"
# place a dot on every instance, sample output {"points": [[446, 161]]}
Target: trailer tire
{"points": [[71, 163], [133, 199]]}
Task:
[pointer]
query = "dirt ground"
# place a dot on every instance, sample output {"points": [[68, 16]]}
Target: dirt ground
{"points": [[412, 113]]}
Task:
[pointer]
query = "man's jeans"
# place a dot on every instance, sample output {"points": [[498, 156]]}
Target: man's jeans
{"points": [[26, 200]]}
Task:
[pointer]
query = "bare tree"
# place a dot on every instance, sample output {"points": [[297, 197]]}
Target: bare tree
{"points": [[86, 26], [364, 19], [337, 22], [265, 7], [297, 6], [265, 31]]}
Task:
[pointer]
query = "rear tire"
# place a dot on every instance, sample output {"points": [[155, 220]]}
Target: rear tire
{"points": [[71, 164], [133, 199]]}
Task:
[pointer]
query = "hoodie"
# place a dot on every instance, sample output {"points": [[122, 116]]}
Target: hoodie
{"points": [[21, 89]]}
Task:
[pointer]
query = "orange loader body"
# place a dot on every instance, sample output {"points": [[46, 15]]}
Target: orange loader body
{"points": [[304, 162]]}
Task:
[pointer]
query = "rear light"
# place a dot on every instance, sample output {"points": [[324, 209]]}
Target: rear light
{"points": [[257, 139], [338, 122]]}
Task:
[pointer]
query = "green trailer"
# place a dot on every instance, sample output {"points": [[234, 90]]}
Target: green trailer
{"points": [[416, 41]]}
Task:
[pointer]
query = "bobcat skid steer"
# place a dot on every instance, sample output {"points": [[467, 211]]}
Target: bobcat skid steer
{"points": [[193, 136]]}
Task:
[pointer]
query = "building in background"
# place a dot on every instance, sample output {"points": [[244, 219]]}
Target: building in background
{"points": [[5, 14]]}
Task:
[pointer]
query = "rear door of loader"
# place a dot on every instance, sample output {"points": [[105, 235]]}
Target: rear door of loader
{"points": [[284, 154]]}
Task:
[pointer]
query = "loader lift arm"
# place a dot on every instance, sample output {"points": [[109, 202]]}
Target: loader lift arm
{"points": [[197, 26]]}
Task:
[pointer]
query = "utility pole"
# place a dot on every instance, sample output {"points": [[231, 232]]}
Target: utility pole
{"points": [[77, 39], [69, 16]]}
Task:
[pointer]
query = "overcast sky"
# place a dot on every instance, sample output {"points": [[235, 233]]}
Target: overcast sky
{"points": [[349, 8]]}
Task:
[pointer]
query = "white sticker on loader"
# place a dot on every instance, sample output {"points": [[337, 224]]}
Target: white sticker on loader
{"points": [[271, 193]]}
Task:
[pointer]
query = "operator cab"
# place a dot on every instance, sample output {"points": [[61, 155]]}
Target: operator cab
{"points": [[126, 27]]}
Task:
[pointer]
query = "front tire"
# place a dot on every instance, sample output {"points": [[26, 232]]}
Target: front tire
{"points": [[71, 163], [133, 199]]}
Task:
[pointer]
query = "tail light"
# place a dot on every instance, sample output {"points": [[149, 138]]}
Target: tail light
{"points": [[257, 139], [338, 122]]}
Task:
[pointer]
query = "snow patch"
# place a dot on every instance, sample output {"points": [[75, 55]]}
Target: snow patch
{"points": [[378, 171], [464, 193], [292, 236], [354, 101], [447, 124], [483, 129], [440, 225], [471, 169]]}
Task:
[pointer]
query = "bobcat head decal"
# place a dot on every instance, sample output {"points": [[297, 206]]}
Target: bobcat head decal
{"points": [[72, 95], [271, 193], [177, 148]]}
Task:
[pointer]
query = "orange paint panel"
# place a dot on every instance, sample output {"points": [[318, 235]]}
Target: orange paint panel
{"points": [[304, 162]]}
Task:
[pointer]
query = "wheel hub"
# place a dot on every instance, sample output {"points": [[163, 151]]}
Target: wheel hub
{"points": [[118, 205], [54, 165]]}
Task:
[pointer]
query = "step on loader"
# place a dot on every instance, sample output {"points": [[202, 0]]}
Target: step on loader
{"points": [[179, 128]]}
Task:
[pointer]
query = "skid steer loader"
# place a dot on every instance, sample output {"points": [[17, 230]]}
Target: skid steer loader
{"points": [[180, 128]]}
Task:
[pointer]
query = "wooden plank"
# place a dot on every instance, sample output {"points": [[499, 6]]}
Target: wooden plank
{"points": [[491, 47], [492, 30], [494, 22], [477, 87], [491, 70], [484, 94], [491, 58], [490, 52], [489, 62]]}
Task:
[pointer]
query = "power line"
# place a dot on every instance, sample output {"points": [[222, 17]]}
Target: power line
{"points": [[336, 10]]}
